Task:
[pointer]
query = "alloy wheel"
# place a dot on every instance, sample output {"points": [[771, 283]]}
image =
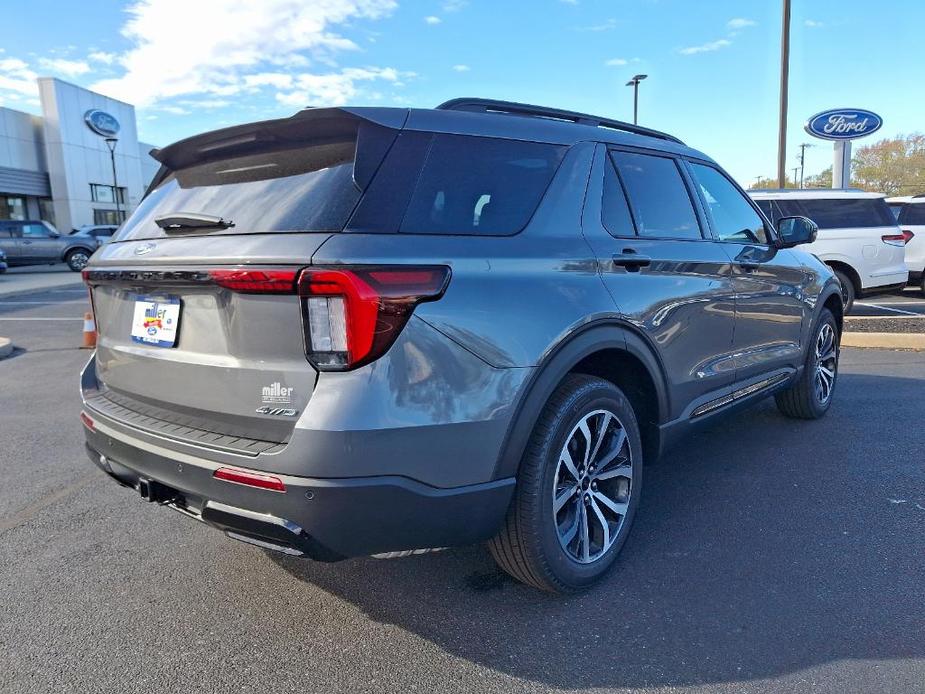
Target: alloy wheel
{"points": [[592, 486], [826, 363], [78, 261]]}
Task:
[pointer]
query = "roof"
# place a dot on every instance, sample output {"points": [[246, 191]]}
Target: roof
{"points": [[330, 122], [813, 194]]}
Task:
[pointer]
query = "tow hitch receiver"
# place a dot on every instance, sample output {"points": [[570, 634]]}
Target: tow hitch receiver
{"points": [[155, 492]]}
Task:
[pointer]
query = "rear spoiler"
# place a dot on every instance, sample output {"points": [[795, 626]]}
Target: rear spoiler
{"points": [[311, 125]]}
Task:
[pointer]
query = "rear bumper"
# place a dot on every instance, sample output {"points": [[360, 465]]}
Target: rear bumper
{"points": [[324, 519]]}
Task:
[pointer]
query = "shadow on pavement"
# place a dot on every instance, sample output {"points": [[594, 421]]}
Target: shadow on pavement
{"points": [[763, 546]]}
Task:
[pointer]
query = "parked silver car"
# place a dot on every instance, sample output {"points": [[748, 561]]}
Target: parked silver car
{"points": [[36, 242], [373, 330]]}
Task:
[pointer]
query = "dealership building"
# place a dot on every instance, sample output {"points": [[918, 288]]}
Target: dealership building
{"points": [[78, 163]]}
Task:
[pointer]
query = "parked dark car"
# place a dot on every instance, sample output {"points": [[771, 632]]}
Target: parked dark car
{"points": [[3, 264], [35, 242], [367, 331]]}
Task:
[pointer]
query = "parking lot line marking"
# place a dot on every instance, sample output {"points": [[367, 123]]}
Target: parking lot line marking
{"points": [[34, 318], [895, 310], [913, 317]]}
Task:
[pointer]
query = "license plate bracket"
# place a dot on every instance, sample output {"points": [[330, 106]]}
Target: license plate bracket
{"points": [[155, 321]]}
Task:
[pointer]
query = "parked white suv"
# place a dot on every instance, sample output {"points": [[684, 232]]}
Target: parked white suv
{"points": [[910, 213], [858, 236]]}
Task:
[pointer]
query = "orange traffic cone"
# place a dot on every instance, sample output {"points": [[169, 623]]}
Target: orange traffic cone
{"points": [[89, 332]]}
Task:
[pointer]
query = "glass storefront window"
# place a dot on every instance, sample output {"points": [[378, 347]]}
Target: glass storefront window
{"points": [[46, 210], [12, 207], [104, 193], [108, 217]]}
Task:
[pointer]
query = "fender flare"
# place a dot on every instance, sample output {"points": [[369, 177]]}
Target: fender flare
{"points": [[556, 364]]}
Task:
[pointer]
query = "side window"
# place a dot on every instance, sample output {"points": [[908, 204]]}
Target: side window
{"points": [[733, 217], [615, 212], [658, 196], [769, 209], [914, 214], [35, 231]]}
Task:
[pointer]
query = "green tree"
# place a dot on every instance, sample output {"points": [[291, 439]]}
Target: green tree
{"points": [[895, 166], [762, 182], [820, 180]]}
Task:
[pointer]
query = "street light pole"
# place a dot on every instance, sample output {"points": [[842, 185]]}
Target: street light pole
{"points": [[111, 143], [634, 83], [784, 80]]}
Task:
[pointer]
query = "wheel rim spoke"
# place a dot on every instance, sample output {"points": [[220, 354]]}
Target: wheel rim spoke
{"points": [[565, 459], [615, 506], [605, 527], [563, 497], [585, 535], [625, 470], [601, 434]]}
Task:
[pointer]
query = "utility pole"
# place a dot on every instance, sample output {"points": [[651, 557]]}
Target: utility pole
{"points": [[784, 84], [795, 169], [803, 160]]}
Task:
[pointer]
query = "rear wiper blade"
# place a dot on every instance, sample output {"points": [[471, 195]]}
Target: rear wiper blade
{"points": [[191, 220]]}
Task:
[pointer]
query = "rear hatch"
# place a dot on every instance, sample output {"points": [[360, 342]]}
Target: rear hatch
{"points": [[200, 331]]}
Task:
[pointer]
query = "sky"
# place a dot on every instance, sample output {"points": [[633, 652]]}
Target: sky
{"points": [[712, 65]]}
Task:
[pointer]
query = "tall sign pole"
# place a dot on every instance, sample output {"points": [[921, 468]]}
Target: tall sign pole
{"points": [[784, 83]]}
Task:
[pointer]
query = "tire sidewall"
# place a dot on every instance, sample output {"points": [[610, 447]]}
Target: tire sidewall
{"points": [[591, 397], [848, 293]]}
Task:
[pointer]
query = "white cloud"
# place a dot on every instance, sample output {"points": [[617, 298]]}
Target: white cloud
{"points": [[740, 23], [706, 47], [17, 77], [454, 5], [607, 25], [102, 57], [812, 23], [432, 19], [333, 89], [461, 68], [68, 68], [208, 47], [617, 62]]}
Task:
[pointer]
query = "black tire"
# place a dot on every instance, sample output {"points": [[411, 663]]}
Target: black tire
{"points": [[848, 292], [77, 259], [802, 399], [528, 547]]}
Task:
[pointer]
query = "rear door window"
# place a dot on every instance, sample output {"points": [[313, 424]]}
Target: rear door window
{"points": [[479, 186], [658, 196], [841, 213]]}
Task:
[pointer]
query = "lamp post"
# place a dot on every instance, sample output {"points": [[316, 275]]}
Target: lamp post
{"points": [[634, 83], [111, 143]]}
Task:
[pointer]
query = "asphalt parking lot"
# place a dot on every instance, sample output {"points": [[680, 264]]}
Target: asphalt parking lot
{"points": [[768, 555]]}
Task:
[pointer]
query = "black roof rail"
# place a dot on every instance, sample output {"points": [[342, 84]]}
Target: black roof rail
{"points": [[516, 109]]}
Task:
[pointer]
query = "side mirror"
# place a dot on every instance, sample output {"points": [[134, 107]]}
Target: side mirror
{"points": [[793, 231]]}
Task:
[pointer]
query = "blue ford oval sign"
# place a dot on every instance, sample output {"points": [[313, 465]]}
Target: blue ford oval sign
{"points": [[101, 122], [843, 124]]}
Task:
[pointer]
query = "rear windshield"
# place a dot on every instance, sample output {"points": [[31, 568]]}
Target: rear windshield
{"points": [[839, 213], [913, 214], [305, 189]]}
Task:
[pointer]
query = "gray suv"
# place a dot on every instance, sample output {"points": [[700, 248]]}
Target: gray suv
{"points": [[36, 242], [372, 331]]}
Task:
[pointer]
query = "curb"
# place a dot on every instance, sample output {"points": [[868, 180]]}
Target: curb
{"points": [[6, 347], [914, 341]]}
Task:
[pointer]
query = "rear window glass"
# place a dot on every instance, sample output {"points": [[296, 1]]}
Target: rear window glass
{"points": [[306, 189], [479, 186], [840, 213], [914, 214]]}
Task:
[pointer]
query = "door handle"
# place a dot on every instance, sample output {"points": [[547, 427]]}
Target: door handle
{"points": [[26, 242], [631, 260]]}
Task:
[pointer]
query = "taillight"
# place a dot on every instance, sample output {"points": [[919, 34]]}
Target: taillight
{"points": [[250, 479], [255, 281], [353, 315], [87, 421], [900, 239]]}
